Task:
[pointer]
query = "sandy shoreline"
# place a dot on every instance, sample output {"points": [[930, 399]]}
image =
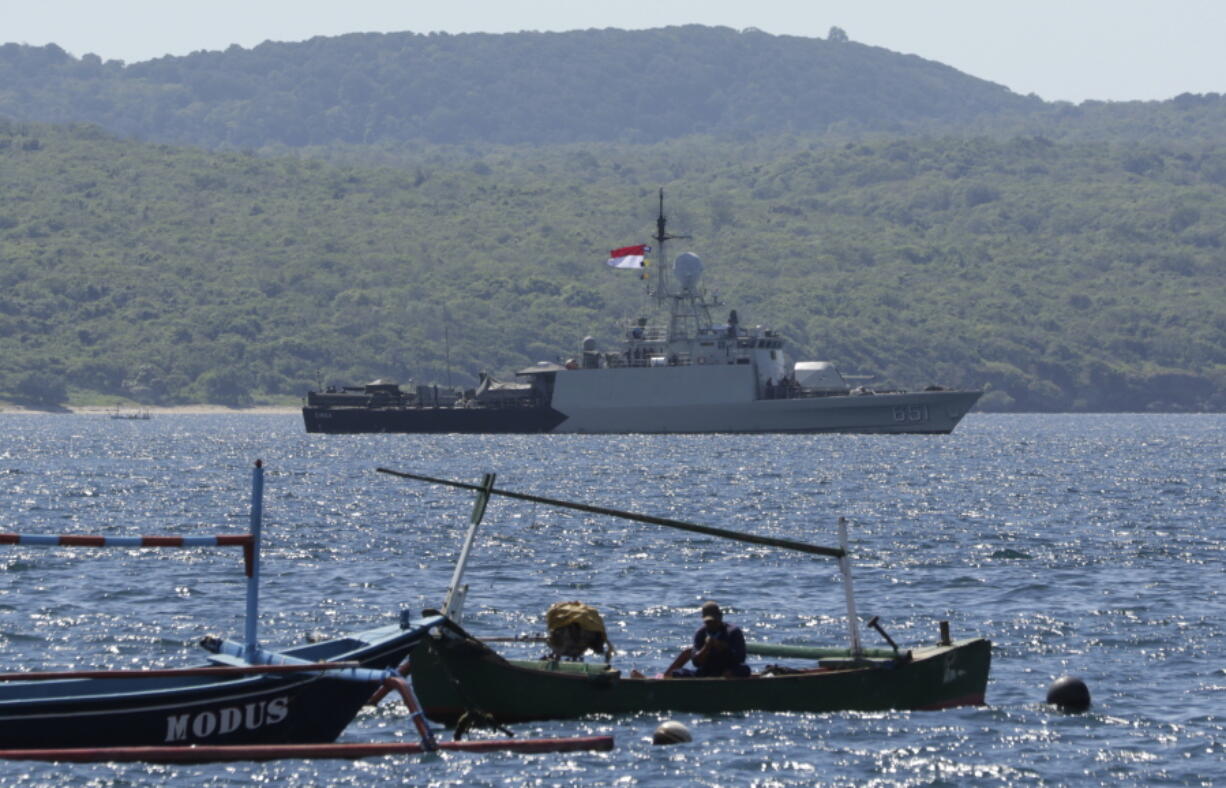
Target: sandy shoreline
{"points": [[156, 411]]}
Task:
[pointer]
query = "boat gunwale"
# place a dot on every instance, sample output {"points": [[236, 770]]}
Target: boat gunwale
{"points": [[683, 694], [611, 675], [193, 685]]}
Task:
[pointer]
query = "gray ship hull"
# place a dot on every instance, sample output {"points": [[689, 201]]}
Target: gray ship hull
{"points": [[935, 412], [696, 399]]}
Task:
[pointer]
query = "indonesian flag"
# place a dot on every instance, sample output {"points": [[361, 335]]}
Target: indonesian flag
{"points": [[628, 256]]}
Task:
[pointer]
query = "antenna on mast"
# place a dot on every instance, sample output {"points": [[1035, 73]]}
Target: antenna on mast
{"points": [[661, 237], [447, 342]]}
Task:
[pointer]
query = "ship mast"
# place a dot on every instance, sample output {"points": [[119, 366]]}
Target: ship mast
{"points": [[678, 316], [661, 290]]}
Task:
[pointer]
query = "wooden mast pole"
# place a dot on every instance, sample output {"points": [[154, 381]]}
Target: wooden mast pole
{"points": [[453, 606], [853, 622]]}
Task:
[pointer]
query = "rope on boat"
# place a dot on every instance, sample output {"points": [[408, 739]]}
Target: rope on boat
{"points": [[404, 669], [472, 715]]}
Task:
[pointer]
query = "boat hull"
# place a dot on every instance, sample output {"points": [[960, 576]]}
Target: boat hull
{"points": [[936, 412], [270, 710], [452, 674], [920, 412], [201, 710], [357, 420]]}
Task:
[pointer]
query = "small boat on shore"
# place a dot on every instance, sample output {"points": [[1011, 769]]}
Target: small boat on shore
{"points": [[129, 415], [455, 674]]}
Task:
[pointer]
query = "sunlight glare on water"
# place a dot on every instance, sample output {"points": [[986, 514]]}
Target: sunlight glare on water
{"points": [[1087, 545]]}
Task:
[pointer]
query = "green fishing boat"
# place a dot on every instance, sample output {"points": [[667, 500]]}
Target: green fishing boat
{"points": [[455, 674]]}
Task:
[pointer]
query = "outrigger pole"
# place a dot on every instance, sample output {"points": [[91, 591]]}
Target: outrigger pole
{"points": [[250, 542], [486, 489], [221, 753], [787, 544]]}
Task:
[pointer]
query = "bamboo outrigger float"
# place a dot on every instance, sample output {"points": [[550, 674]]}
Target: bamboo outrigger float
{"points": [[454, 673], [249, 704]]}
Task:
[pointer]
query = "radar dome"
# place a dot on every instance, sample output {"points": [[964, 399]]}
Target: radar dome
{"points": [[688, 268]]}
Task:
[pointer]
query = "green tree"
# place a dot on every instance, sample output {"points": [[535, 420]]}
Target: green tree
{"points": [[41, 388]]}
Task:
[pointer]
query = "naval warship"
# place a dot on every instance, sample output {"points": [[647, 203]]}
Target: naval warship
{"points": [[678, 373]]}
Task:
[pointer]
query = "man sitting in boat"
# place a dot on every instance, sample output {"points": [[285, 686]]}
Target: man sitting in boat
{"points": [[719, 649]]}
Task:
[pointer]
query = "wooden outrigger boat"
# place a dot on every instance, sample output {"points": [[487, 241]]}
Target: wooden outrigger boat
{"points": [[249, 704], [454, 673]]}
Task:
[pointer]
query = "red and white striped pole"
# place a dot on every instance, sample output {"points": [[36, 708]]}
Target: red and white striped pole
{"points": [[250, 543], [81, 540]]}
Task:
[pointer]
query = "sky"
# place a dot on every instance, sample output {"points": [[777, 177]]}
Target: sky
{"points": [[1061, 50]]}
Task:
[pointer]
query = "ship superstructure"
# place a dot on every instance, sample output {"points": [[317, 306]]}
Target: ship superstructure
{"points": [[681, 372]]}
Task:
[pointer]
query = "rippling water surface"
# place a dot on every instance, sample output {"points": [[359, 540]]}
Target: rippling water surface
{"points": [[1087, 545]]}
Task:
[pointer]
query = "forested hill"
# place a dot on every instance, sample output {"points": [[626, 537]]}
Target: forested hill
{"points": [[538, 88], [1064, 277]]}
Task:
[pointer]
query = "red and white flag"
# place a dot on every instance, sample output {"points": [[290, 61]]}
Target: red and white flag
{"points": [[628, 256]]}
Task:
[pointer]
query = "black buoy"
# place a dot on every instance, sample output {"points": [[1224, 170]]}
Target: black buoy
{"points": [[1069, 693]]}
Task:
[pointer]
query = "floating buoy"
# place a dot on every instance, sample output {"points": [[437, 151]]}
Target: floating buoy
{"points": [[671, 732], [1069, 693]]}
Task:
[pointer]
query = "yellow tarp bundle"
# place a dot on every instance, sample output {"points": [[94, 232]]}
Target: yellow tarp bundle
{"points": [[561, 614]]}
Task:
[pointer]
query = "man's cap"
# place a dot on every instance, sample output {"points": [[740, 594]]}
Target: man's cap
{"points": [[710, 610]]}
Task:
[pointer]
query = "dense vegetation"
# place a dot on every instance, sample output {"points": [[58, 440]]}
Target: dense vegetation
{"points": [[543, 88], [1084, 276], [551, 88]]}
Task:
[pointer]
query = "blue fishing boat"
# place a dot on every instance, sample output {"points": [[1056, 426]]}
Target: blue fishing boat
{"points": [[226, 705], [247, 695]]}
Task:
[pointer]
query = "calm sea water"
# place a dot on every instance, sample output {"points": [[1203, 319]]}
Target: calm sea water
{"points": [[1086, 545]]}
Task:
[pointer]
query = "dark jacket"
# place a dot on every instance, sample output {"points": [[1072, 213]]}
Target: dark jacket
{"points": [[718, 662]]}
